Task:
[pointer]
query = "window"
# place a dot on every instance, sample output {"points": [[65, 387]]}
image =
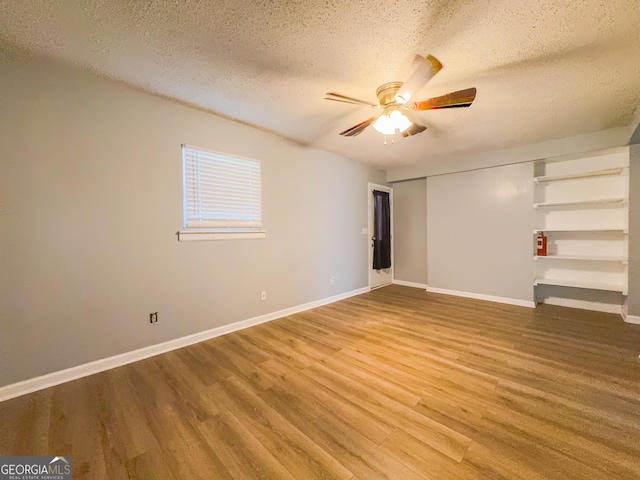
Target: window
{"points": [[222, 196]]}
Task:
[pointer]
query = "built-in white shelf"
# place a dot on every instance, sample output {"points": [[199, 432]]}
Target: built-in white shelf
{"points": [[573, 176], [573, 230], [583, 203], [579, 284], [594, 258], [588, 235]]}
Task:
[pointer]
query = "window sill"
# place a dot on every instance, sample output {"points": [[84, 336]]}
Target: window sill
{"points": [[195, 236]]}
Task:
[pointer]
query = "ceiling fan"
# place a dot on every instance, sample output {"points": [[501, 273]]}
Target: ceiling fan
{"points": [[397, 111]]}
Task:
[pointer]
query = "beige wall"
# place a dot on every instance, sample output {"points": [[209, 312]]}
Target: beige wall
{"points": [[91, 199], [410, 231], [479, 231]]}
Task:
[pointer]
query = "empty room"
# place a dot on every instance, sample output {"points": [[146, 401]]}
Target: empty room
{"points": [[300, 240]]}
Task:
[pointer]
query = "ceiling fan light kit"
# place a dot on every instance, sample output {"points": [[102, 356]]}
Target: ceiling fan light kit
{"points": [[393, 98], [389, 122]]}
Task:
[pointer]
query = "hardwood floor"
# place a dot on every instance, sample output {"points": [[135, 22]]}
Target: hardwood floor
{"points": [[396, 383]]}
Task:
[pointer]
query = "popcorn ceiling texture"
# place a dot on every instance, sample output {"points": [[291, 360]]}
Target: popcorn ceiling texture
{"points": [[543, 69]]}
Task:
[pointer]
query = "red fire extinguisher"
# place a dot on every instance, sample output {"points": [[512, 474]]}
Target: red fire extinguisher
{"points": [[542, 244]]}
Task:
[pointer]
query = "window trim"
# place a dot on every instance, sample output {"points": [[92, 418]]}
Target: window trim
{"points": [[215, 233], [195, 236]]}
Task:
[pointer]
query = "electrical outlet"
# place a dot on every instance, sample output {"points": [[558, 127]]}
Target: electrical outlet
{"points": [[153, 317], [263, 296], [333, 280]]}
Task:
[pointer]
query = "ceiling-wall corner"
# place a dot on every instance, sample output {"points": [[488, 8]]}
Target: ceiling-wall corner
{"points": [[634, 127]]}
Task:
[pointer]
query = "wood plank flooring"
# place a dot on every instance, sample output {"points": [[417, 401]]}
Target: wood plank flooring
{"points": [[397, 383]]}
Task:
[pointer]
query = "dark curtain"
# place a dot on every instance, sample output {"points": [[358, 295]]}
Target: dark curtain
{"points": [[381, 230]]}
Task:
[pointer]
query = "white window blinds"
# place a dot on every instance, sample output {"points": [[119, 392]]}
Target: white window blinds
{"points": [[220, 191]]}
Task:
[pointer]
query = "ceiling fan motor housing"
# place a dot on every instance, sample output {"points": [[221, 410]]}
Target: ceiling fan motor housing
{"points": [[387, 93]]}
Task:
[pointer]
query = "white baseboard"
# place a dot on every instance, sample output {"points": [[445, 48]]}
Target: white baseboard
{"points": [[632, 319], [410, 284], [73, 373], [479, 296]]}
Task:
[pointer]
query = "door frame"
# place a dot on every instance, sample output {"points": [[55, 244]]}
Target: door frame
{"points": [[384, 188]]}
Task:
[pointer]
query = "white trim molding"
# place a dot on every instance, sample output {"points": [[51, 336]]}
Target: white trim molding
{"points": [[404, 283], [633, 319], [480, 296], [56, 378]]}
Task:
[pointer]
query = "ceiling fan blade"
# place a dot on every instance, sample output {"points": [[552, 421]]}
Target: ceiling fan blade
{"points": [[358, 129], [339, 97], [423, 70], [414, 130], [461, 98], [341, 101]]}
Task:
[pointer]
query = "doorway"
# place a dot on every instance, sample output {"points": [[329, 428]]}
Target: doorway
{"points": [[381, 273]]}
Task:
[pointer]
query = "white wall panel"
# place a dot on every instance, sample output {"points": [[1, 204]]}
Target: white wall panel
{"points": [[634, 231], [479, 231], [410, 231]]}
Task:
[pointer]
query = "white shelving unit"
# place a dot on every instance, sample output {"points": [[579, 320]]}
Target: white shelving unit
{"points": [[573, 176], [583, 203], [593, 258], [573, 230], [582, 207], [611, 287]]}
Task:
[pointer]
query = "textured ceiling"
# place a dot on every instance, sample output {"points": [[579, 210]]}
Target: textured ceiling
{"points": [[543, 69]]}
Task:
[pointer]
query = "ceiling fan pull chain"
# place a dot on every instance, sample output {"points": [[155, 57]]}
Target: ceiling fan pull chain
{"points": [[392, 136]]}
